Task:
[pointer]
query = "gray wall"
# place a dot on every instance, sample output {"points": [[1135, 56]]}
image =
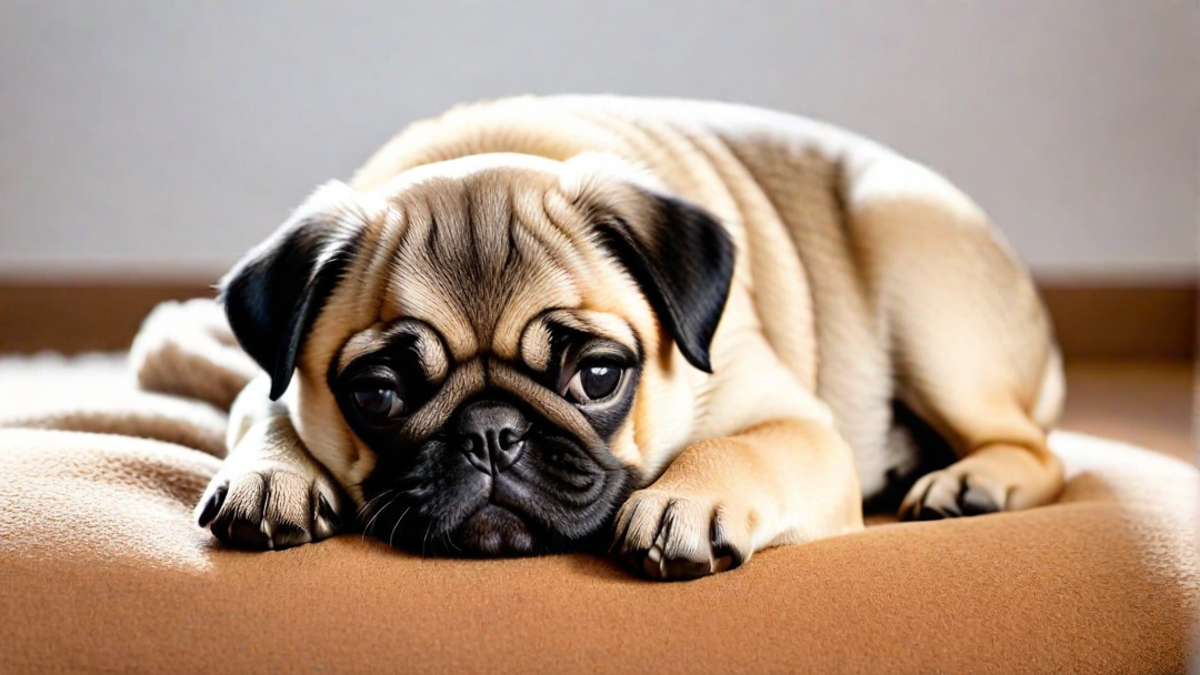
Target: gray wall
{"points": [[164, 138]]}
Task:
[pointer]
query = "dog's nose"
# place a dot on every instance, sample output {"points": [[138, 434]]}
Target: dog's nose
{"points": [[492, 435]]}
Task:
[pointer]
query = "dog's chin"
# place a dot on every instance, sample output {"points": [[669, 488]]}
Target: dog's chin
{"points": [[494, 531]]}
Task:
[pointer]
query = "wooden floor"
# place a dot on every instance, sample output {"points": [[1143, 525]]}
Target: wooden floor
{"points": [[1147, 403]]}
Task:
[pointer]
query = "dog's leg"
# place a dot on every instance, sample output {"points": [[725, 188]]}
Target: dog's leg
{"points": [[971, 342], [725, 498], [270, 493]]}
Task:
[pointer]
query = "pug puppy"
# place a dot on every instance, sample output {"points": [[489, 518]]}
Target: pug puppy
{"points": [[682, 331]]}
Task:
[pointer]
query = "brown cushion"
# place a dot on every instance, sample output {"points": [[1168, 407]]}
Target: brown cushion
{"points": [[102, 568]]}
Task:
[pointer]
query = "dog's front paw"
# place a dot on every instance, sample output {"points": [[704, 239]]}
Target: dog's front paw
{"points": [[270, 505], [670, 537]]}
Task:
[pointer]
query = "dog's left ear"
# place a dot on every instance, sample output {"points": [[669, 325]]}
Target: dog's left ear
{"points": [[275, 293], [683, 259]]}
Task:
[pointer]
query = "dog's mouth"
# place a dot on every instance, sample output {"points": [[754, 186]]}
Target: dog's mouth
{"points": [[476, 492], [490, 531], [476, 515], [494, 531]]}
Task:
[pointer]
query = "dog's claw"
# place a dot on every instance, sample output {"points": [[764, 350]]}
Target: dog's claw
{"points": [[212, 505]]}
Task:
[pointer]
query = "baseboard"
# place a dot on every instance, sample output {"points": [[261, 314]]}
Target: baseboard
{"points": [[1093, 322], [72, 318], [1124, 322]]}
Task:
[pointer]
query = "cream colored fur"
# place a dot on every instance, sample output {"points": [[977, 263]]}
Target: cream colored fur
{"points": [[861, 277]]}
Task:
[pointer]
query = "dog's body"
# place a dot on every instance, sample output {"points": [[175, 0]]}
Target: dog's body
{"points": [[848, 283]]}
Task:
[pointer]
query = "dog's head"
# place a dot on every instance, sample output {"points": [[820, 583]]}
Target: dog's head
{"points": [[488, 353]]}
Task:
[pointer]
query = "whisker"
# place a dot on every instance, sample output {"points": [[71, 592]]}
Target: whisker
{"points": [[366, 507], [371, 523], [393, 534], [425, 540]]}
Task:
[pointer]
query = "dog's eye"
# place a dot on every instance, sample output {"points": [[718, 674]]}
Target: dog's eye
{"points": [[378, 404], [595, 382]]}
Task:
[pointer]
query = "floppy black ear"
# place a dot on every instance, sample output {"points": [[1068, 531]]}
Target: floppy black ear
{"points": [[683, 261], [274, 294]]}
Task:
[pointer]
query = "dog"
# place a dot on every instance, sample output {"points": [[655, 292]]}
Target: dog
{"points": [[680, 331]]}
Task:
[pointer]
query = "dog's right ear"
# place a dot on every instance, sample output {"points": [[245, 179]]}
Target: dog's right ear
{"points": [[275, 293], [680, 255]]}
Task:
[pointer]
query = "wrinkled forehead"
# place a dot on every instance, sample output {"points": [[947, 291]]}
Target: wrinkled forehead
{"points": [[480, 250], [425, 343]]}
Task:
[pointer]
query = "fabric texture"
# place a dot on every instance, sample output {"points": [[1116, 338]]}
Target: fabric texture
{"points": [[103, 569]]}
